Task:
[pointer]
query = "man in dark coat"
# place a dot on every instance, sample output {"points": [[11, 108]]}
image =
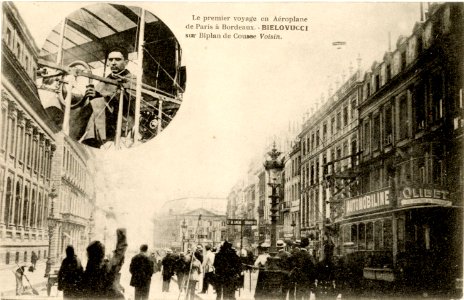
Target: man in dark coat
{"points": [[70, 275], [285, 265], [103, 101], [141, 268], [228, 267], [101, 276], [303, 271], [168, 262], [34, 259]]}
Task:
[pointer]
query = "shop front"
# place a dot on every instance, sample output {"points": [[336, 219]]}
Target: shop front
{"points": [[413, 238]]}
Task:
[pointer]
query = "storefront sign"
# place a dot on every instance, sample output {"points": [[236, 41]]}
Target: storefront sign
{"points": [[415, 196], [368, 202]]}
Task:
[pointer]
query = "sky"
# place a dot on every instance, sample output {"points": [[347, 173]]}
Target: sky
{"points": [[239, 92]]}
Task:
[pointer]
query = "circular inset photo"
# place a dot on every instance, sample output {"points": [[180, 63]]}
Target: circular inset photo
{"points": [[111, 75]]}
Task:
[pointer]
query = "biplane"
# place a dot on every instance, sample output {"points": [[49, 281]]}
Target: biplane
{"points": [[74, 56]]}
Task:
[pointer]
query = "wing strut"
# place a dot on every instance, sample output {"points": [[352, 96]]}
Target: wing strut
{"points": [[138, 90], [67, 105]]}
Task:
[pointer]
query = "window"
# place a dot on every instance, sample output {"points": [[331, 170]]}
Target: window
{"points": [[403, 125], [388, 72], [25, 256], [388, 125], [362, 236], [26, 206], [324, 131], [8, 36], [403, 60], [8, 201], [437, 98], [376, 133], [26, 62], [339, 120], [7, 258], [17, 218], [367, 136], [18, 51], [387, 234], [20, 139], [332, 126], [33, 210], [28, 148], [354, 234], [353, 108], [17, 257], [346, 234], [370, 236], [378, 244], [317, 138], [3, 127], [345, 116], [12, 134]]}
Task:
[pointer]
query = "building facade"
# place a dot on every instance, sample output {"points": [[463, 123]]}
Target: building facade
{"points": [[328, 139], [27, 147], [406, 218], [186, 230], [290, 204], [73, 179], [43, 174]]}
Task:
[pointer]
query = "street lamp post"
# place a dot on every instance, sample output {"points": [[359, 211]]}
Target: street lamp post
{"points": [[269, 282], [274, 167], [184, 229], [51, 222]]}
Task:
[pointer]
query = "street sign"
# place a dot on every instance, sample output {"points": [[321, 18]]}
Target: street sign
{"points": [[202, 236], [241, 222]]}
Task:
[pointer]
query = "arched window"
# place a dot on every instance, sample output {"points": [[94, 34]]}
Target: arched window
{"points": [[8, 197], [33, 210], [17, 218], [26, 207]]}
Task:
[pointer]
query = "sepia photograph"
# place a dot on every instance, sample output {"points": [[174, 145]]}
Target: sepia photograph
{"points": [[315, 151]]}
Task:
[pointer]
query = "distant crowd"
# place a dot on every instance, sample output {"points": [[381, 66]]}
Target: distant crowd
{"points": [[198, 268]]}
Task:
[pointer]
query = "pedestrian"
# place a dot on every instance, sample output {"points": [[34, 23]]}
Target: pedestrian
{"points": [[101, 276], [181, 269], [194, 274], [141, 268], [263, 255], [168, 264], [303, 273], [227, 267], [208, 267], [70, 275], [19, 273], [34, 259], [284, 265]]}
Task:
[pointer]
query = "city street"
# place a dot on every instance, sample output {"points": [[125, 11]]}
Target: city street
{"points": [[246, 293]]}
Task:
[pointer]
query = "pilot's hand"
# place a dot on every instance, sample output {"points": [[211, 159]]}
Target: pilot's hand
{"points": [[90, 92]]}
